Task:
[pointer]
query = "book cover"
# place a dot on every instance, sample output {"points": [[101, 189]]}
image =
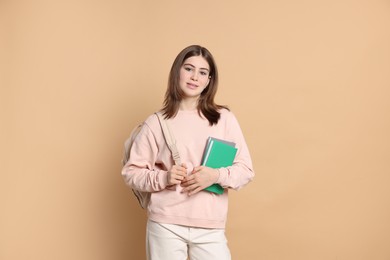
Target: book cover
{"points": [[218, 153]]}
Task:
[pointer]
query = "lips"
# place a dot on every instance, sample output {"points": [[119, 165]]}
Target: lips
{"points": [[192, 86]]}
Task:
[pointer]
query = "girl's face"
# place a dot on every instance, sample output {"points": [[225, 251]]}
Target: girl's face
{"points": [[194, 76]]}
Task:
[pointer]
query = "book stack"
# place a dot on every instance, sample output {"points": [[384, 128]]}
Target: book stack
{"points": [[218, 153]]}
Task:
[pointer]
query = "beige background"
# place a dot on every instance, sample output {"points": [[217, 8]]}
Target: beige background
{"points": [[308, 80]]}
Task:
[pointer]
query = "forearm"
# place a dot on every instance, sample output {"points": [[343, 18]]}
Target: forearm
{"points": [[235, 177], [144, 179]]}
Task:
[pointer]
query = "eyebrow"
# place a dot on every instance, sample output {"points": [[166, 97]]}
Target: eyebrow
{"points": [[188, 64]]}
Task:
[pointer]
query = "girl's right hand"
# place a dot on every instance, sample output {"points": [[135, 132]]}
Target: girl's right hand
{"points": [[177, 174]]}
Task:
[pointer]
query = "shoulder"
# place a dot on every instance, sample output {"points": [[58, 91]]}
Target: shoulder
{"points": [[151, 119], [227, 115], [225, 112], [149, 130], [152, 122]]}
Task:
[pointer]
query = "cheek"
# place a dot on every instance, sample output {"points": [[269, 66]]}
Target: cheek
{"points": [[184, 74], [206, 83], [181, 76], [182, 79]]}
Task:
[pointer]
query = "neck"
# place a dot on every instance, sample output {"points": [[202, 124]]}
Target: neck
{"points": [[189, 104]]}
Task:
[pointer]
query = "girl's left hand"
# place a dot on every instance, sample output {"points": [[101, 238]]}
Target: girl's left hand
{"points": [[200, 178]]}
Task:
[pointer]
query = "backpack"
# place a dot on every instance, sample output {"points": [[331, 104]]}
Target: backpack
{"points": [[143, 197]]}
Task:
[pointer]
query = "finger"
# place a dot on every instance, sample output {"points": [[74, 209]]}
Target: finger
{"points": [[178, 177], [190, 187], [193, 192], [186, 182], [189, 177], [181, 176], [197, 169], [174, 182], [175, 178], [179, 170]]}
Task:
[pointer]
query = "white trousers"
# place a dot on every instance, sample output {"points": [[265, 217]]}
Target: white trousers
{"points": [[174, 242]]}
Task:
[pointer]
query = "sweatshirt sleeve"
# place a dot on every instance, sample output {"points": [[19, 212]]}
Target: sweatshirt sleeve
{"points": [[141, 172], [241, 172]]}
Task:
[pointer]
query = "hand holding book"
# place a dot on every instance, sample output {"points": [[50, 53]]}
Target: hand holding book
{"points": [[218, 153], [200, 178]]}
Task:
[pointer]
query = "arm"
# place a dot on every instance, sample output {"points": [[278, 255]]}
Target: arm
{"points": [[234, 177], [241, 172], [140, 172]]}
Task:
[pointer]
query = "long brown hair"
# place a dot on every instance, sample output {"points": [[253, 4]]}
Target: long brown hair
{"points": [[206, 104]]}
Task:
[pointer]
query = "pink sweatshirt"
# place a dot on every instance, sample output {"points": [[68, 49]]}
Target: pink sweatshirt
{"points": [[150, 159]]}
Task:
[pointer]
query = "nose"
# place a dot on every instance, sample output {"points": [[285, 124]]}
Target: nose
{"points": [[194, 76]]}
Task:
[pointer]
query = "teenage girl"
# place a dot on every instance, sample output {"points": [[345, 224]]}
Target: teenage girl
{"points": [[184, 220]]}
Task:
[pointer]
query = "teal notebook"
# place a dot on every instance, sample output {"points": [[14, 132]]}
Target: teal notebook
{"points": [[218, 153]]}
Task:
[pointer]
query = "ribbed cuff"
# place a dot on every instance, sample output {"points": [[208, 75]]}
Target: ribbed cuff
{"points": [[163, 179], [223, 176]]}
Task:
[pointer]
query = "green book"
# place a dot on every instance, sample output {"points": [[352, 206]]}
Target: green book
{"points": [[218, 153]]}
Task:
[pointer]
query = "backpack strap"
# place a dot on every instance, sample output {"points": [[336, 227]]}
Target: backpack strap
{"points": [[169, 138]]}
